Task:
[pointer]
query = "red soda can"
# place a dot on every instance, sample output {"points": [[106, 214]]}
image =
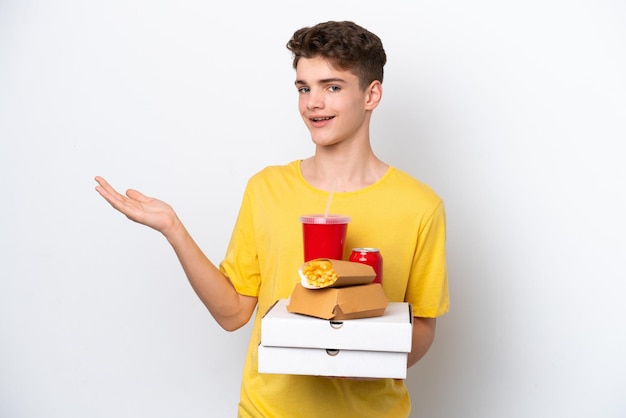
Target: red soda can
{"points": [[371, 257]]}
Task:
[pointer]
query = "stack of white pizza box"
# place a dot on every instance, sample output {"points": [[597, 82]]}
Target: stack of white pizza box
{"points": [[362, 347]]}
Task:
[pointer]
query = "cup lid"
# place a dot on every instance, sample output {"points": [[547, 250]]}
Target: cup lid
{"points": [[320, 218]]}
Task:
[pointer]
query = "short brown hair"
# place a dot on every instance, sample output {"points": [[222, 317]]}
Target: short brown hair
{"points": [[346, 45]]}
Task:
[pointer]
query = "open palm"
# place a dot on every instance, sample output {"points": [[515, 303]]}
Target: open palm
{"points": [[137, 207]]}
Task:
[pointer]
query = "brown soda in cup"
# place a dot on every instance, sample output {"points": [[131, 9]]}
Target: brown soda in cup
{"points": [[324, 236]]}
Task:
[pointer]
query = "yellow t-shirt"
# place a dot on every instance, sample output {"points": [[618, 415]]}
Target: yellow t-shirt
{"points": [[399, 215]]}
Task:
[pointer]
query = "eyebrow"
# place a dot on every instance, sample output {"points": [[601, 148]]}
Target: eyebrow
{"points": [[322, 81]]}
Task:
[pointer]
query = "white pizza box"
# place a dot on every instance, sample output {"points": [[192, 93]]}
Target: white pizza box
{"points": [[390, 332], [338, 363]]}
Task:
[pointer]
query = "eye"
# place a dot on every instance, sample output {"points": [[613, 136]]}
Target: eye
{"points": [[303, 90], [334, 88]]}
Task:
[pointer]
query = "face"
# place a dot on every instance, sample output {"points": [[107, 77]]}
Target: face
{"points": [[333, 107]]}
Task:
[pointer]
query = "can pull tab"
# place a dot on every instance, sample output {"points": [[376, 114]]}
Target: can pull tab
{"points": [[336, 324]]}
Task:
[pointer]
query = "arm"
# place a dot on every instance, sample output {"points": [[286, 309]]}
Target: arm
{"points": [[423, 336], [230, 309]]}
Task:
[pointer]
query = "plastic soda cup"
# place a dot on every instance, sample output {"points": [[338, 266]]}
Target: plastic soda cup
{"points": [[324, 236]]}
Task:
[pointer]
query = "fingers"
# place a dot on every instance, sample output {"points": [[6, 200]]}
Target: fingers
{"points": [[103, 183], [136, 206], [115, 199], [106, 190], [138, 196]]}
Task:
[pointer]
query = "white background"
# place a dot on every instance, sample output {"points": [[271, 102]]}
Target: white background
{"points": [[515, 112]]}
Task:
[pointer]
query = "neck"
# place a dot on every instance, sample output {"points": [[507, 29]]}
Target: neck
{"points": [[343, 172]]}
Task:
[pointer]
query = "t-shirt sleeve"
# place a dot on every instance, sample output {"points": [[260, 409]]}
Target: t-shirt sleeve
{"points": [[428, 288], [240, 263]]}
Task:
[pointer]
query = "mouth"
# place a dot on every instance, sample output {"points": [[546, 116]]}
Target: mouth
{"points": [[321, 119]]}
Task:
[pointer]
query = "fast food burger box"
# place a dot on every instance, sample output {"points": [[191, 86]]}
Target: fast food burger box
{"points": [[352, 295]]}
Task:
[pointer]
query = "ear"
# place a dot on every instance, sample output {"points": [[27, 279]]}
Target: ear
{"points": [[373, 94]]}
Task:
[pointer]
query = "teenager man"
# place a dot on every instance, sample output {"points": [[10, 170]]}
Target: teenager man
{"points": [[339, 75]]}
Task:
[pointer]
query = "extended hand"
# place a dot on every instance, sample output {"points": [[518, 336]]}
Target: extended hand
{"points": [[139, 208]]}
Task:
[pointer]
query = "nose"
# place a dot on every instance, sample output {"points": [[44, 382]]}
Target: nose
{"points": [[314, 100]]}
